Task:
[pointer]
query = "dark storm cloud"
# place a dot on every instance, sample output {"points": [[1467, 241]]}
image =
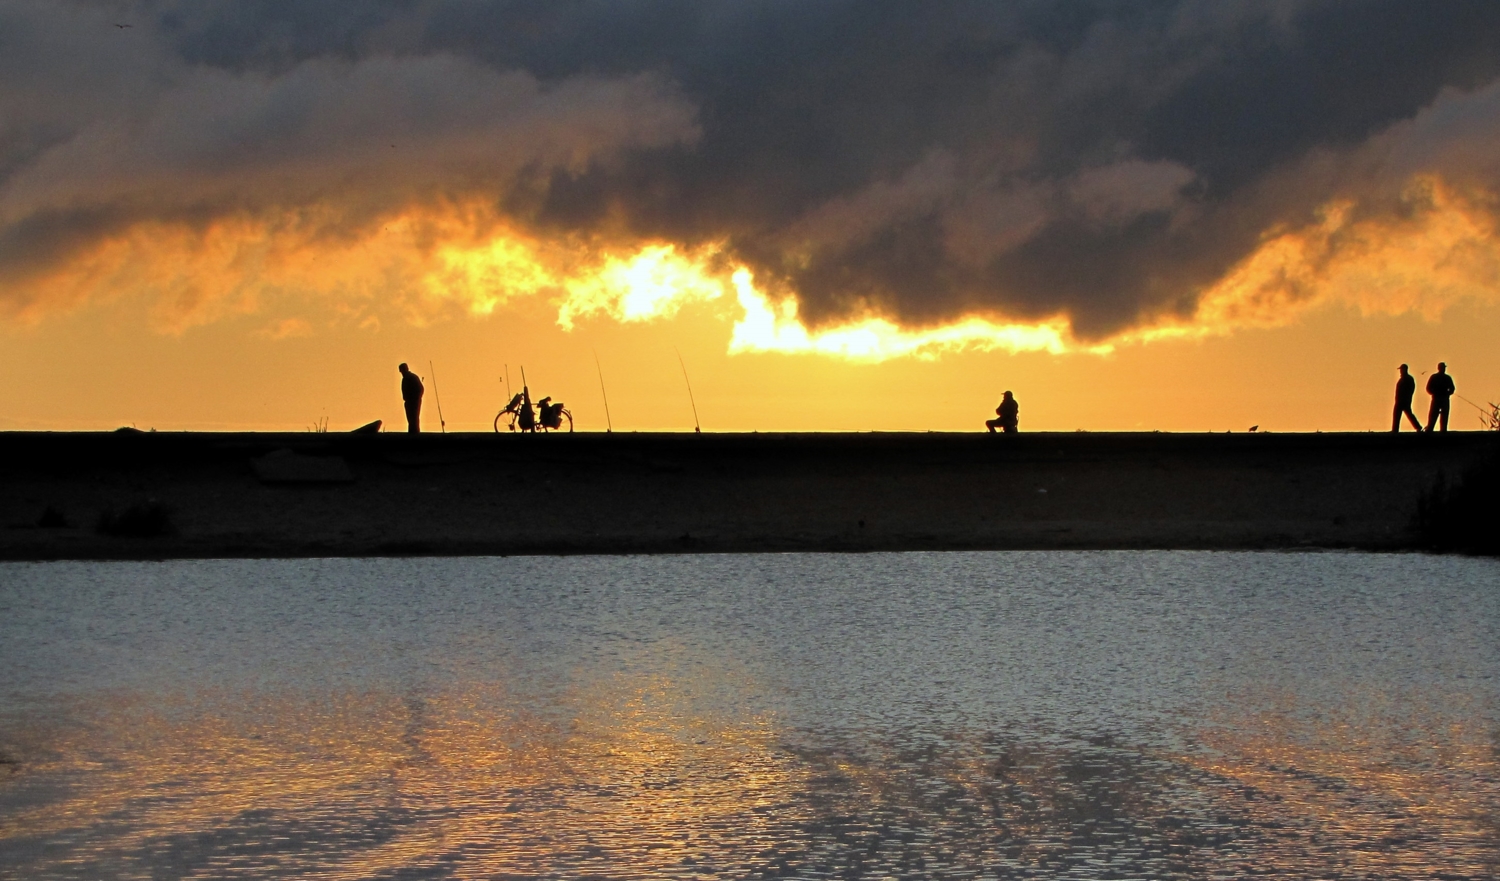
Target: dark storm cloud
{"points": [[105, 127], [1105, 161]]}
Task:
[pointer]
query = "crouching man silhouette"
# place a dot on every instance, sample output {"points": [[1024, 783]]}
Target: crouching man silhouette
{"points": [[1008, 413]]}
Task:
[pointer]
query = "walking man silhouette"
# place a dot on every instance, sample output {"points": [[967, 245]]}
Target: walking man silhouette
{"points": [[1406, 387], [1009, 416], [1440, 386], [411, 396]]}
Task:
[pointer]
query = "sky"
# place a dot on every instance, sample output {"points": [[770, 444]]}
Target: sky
{"points": [[1176, 216]]}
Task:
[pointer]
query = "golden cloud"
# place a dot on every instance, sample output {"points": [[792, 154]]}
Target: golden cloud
{"points": [[1440, 248], [446, 260]]}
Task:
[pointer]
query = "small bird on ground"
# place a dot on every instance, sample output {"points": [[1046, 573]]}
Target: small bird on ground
{"points": [[1255, 428]]}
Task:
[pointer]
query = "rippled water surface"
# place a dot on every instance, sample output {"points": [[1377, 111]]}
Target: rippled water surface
{"points": [[986, 715]]}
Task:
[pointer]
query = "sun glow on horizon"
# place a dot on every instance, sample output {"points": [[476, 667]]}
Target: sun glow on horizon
{"points": [[659, 279], [438, 261], [1441, 250], [768, 327]]}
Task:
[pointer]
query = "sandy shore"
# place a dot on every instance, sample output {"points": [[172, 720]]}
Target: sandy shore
{"points": [[163, 495]]}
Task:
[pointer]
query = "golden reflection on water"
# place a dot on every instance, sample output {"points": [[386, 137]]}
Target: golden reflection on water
{"points": [[1376, 789], [358, 785], [621, 778]]}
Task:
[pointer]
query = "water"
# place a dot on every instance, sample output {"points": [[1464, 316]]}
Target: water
{"points": [[985, 715]]}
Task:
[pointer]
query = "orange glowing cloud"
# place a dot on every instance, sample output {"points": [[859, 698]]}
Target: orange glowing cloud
{"points": [[1440, 250], [440, 261], [770, 327], [838, 210]]}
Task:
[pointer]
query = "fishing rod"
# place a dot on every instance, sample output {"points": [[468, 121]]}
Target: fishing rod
{"points": [[507, 382], [441, 422], [607, 421], [697, 427], [1488, 414], [1474, 405], [1490, 418]]}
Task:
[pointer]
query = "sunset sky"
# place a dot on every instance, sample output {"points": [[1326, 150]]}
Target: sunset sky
{"points": [[843, 216]]}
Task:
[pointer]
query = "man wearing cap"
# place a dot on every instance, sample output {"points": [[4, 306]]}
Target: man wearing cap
{"points": [[1440, 386], [1406, 387]]}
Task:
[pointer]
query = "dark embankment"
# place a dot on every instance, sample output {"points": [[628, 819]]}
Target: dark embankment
{"points": [[132, 495], [1464, 515]]}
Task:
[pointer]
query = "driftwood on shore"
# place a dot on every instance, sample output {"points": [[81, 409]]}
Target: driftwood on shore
{"points": [[370, 494]]}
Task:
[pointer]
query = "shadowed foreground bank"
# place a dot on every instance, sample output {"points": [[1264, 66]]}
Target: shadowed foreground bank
{"points": [[133, 495]]}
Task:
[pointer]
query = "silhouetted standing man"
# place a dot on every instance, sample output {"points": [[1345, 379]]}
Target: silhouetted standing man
{"points": [[1406, 387], [1009, 416], [1440, 386], [411, 396]]}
